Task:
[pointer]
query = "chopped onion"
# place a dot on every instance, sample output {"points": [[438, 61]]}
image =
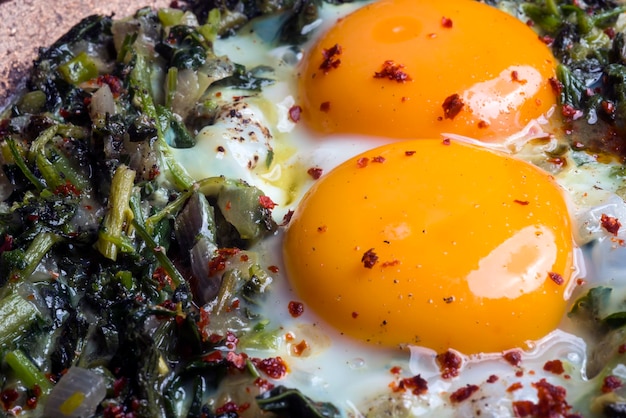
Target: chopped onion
{"points": [[76, 395]]}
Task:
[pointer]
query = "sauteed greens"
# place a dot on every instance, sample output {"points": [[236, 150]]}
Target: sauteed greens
{"points": [[117, 270]]}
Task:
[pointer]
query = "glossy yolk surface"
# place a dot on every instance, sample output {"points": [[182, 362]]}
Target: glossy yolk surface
{"points": [[415, 69], [445, 246]]}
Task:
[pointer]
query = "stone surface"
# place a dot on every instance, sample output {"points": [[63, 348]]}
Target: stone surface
{"points": [[26, 25]]}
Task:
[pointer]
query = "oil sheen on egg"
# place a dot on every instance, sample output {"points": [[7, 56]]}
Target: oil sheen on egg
{"points": [[528, 226], [415, 69]]}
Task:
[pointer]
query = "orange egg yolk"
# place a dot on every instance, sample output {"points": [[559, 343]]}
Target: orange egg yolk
{"points": [[435, 243], [416, 69]]}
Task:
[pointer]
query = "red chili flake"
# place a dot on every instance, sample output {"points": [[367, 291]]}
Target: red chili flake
{"points": [[515, 78], [119, 385], [231, 341], [217, 264], [331, 58], [228, 205], [515, 386], [274, 367], [295, 308], [31, 402], [8, 396], [621, 349], [554, 366], [608, 107], [67, 189], [523, 408], [449, 364], [169, 304], [263, 384], [409, 153], [322, 229], [463, 393], [315, 172], [266, 202], [561, 162], [556, 85], [237, 360], [203, 324], [391, 263], [556, 278], [452, 106], [114, 83], [162, 278], [611, 383], [522, 202], [325, 107], [483, 124], [552, 403], [446, 22], [547, 39], [416, 384], [355, 315], [492, 379], [446, 141], [610, 32], [514, 358], [273, 269], [232, 407], [362, 162], [294, 113], [570, 112], [213, 357], [609, 223], [7, 244], [369, 258], [154, 172], [287, 218], [378, 159], [393, 72], [299, 348], [396, 370]]}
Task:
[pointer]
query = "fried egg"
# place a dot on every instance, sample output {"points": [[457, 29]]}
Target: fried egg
{"points": [[433, 248]]}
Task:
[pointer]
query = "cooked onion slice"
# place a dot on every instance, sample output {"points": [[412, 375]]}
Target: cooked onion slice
{"points": [[77, 394]]}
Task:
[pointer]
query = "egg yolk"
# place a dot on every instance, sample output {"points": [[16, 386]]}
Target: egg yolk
{"points": [[435, 243], [415, 69]]}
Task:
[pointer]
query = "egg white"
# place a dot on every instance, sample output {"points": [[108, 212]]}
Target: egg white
{"points": [[352, 375]]}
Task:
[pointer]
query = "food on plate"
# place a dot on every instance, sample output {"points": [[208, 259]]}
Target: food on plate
{"points": [[209, 211]]}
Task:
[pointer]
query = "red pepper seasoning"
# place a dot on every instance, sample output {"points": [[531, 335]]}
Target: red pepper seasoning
{"points": [[295, 308], [612, 225], [369, 258], [463, 393], [294, 113], [449, 364], [315, 172], [331, 58], [554, 366], [452, 106], [556, 278], [393, 72]]}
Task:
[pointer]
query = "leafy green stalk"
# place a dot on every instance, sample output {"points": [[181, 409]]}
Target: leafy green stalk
{"points": [[119, 212], [38, 153], [36, 251], [27, 372], [21, 164], [16, 315], [140, 82], [159, 253]]}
